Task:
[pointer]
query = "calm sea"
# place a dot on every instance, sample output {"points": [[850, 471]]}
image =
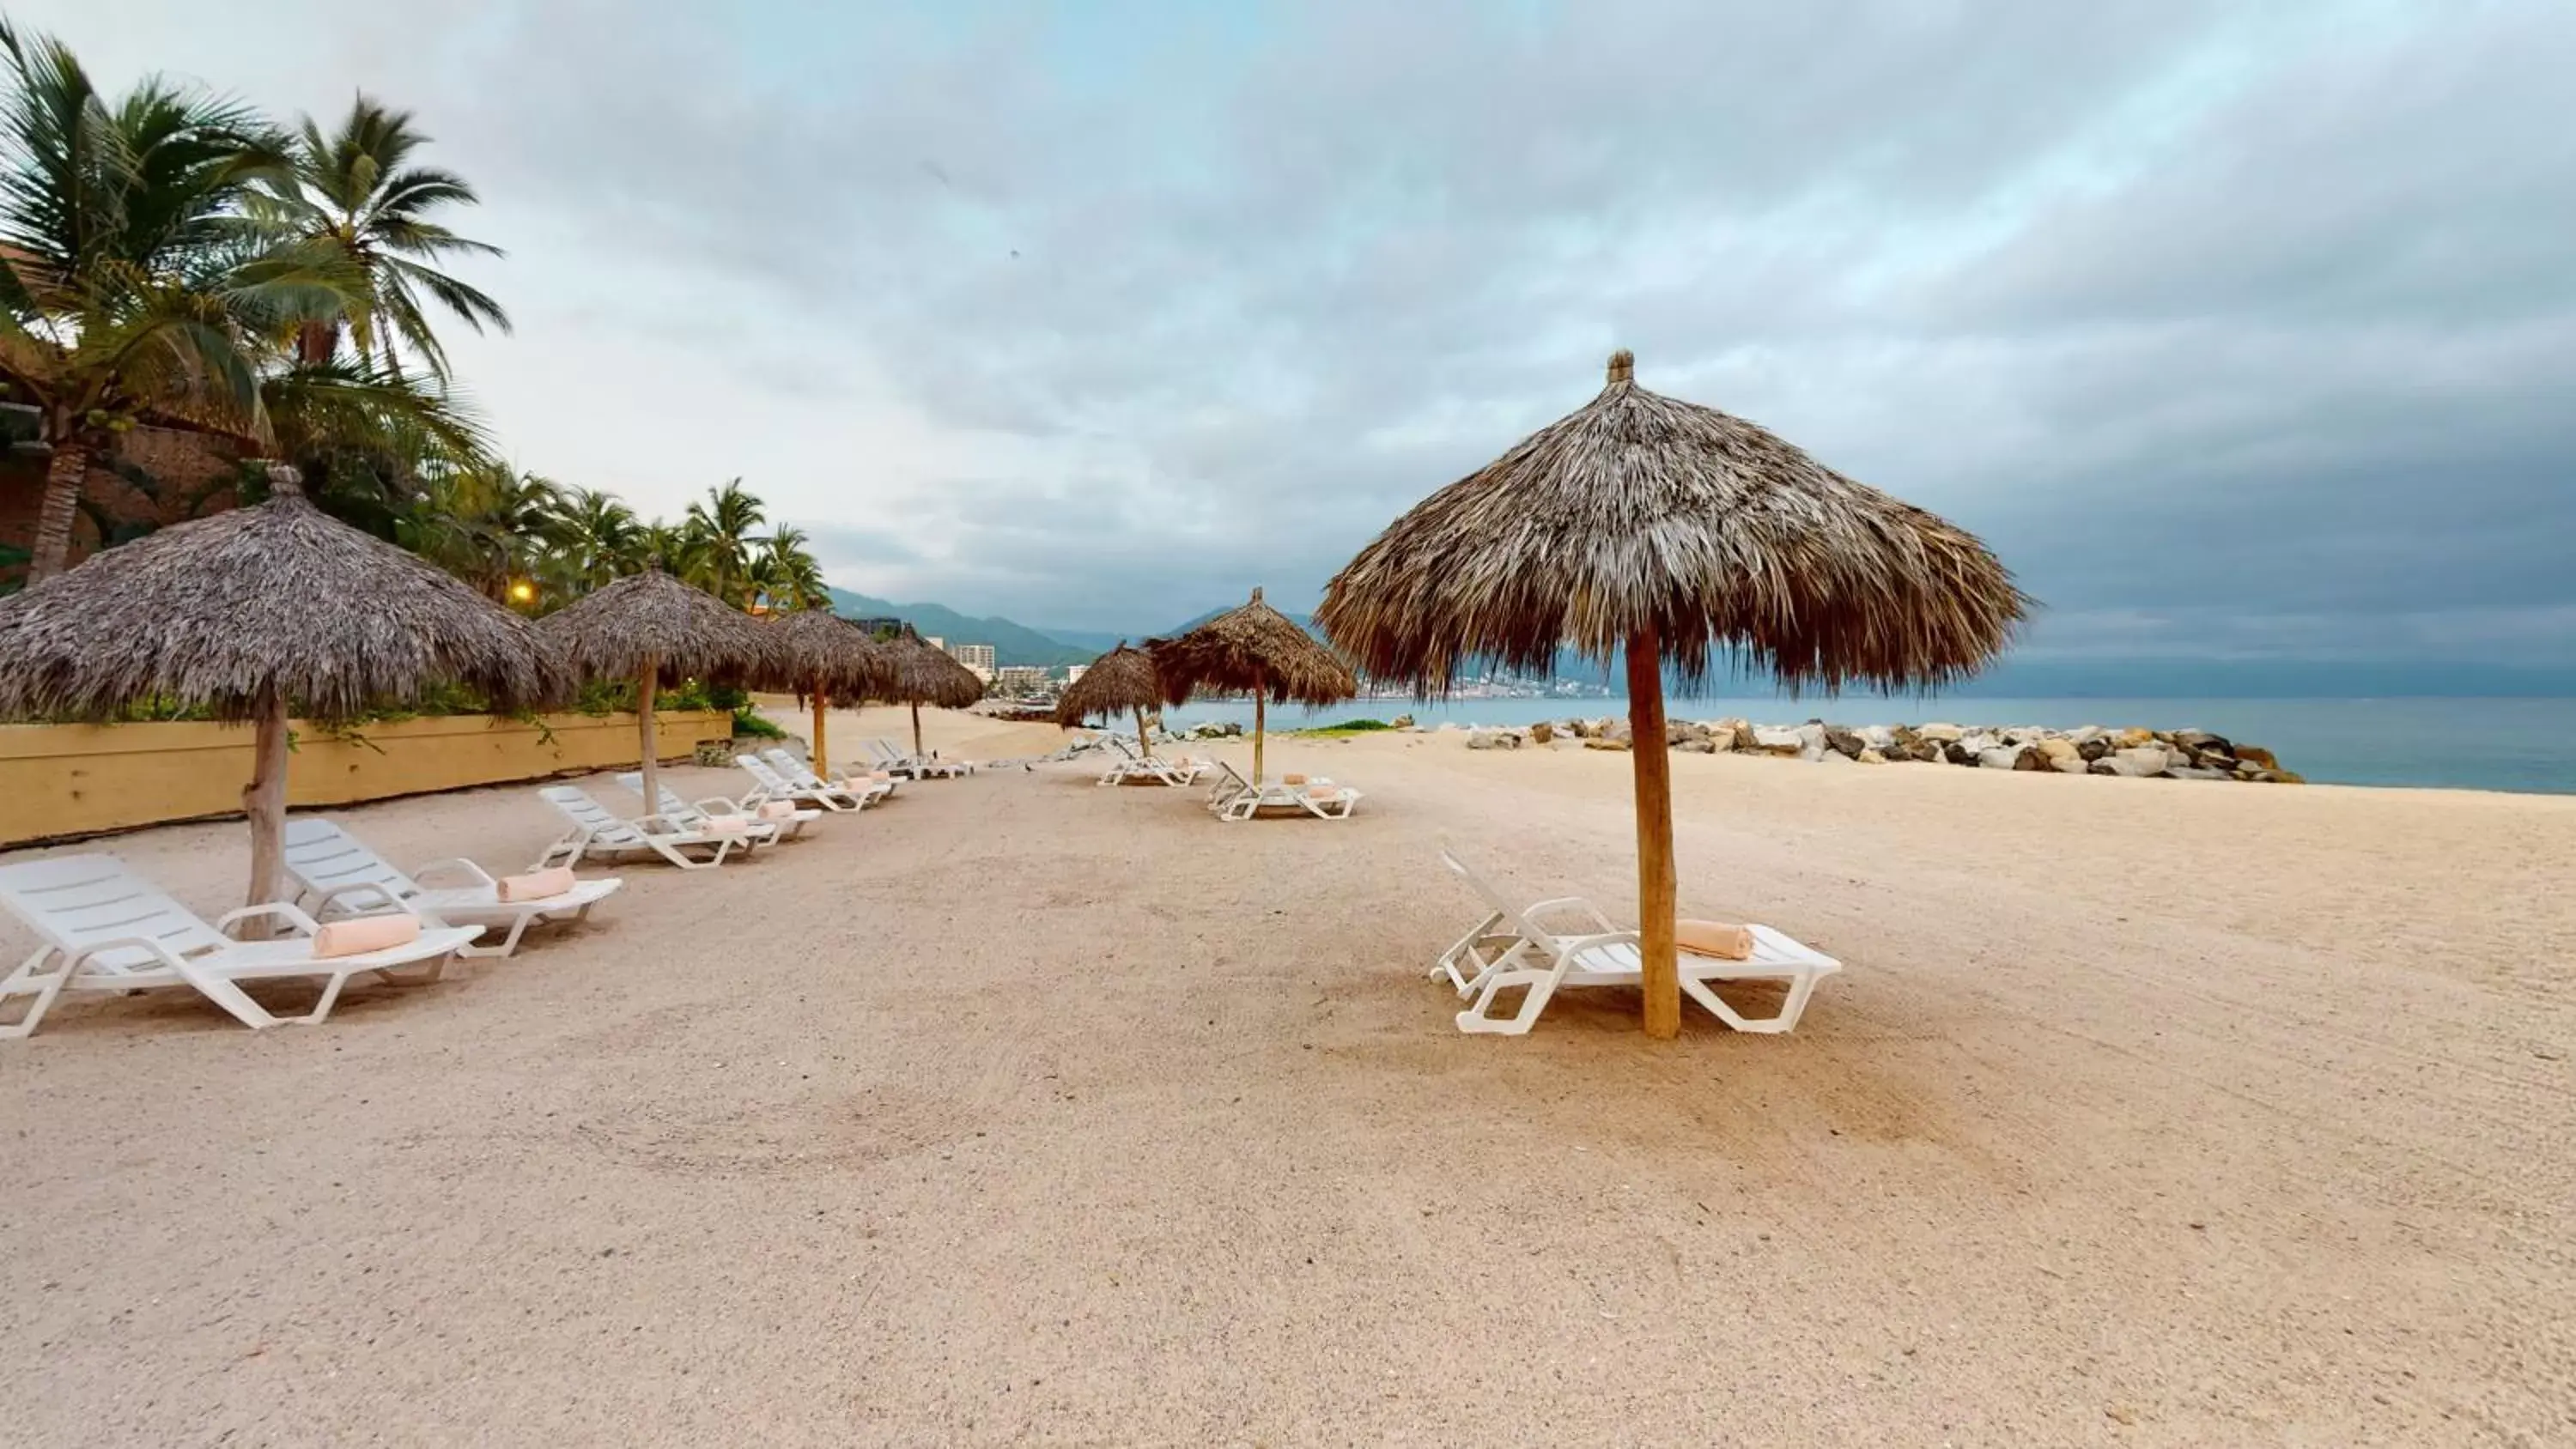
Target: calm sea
{"points": [[2472, 744]]}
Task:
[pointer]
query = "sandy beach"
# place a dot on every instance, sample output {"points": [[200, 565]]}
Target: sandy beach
{"points": [[1023, 1110]]}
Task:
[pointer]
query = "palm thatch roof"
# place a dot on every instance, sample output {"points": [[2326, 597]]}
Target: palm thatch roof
{"points": [[918, 674], [280, 597], [1250, 648], [1640, 512], [610, 632], [818, 649], [1121, 680]]}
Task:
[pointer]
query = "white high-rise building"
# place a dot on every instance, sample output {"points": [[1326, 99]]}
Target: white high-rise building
{"points": [[978, 657]]}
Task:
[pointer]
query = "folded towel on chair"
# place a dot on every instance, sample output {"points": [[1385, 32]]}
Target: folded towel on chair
{"points": [[1714, 938], [536, 885], [365, 934], [777, 810]]}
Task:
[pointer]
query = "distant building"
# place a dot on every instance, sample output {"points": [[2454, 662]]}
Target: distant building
{"points": [[1073, 673], [934, 641], [1022, 678], [978, 657]]}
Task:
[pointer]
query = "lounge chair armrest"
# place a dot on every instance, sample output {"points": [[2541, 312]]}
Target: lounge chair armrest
{"points": [[1577, 945], [660, 824], [294, 916], [459, 864], [1591, 913], [333, 898]]}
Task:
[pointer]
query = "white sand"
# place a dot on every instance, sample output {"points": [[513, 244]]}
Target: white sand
{"points": [[2145, 1113]]}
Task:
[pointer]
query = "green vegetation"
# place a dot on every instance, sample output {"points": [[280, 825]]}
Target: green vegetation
{"points": [[173, 258], [1344, 730]]}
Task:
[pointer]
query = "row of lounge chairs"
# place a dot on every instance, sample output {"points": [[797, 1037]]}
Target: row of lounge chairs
{"points": [[106, 928], [1230, 796]]}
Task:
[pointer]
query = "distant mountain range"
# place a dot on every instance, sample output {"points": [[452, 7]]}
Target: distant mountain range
{"points": [[2030, 678], [1012, 643]]}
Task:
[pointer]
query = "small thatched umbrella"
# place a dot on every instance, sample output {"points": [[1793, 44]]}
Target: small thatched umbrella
{"points": [[1120, 680], [917, 674], [250, 613], [650, 627], [822, 655], [1678, 534], [1252, 649]]}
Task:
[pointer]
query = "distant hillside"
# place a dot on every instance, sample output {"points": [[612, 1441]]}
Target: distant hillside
{"points": [[1012, 643]]}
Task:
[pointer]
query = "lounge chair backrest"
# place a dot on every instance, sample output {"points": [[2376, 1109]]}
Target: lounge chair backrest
{"points": [[78, 901], [589, 814], [670, 807], [796, 771], [1480, 885], [323, 858], [762, 775]]}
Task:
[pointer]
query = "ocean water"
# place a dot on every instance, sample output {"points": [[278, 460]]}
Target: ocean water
{"points": [[2472, 744]]}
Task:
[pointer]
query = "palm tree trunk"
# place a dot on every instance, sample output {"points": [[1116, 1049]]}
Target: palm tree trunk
{"points": [[264, 800], [63, 477], [316, 341]]}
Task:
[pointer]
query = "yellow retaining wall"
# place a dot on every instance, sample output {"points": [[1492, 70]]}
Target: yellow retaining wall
{"points": [[58, 780]]}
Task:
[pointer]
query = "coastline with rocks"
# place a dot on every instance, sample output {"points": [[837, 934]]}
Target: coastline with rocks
{"points": [[2131, 752]]}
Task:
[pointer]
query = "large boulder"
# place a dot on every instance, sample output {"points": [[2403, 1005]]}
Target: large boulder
{"points": [[2007, 757], [1401, 722], [1695, 747], [1721, 735], [1955, 751], [1542, 733], [2257, 756], [1604, 742], [1493, 739], [1680, 732], [1811, 740], [1872, 757], [1945, 733], [1772, 741], [2203, 742], [1844, 742], [2094, 748], [1881, 738], [1977, 742], [1613, 729], [2140, 760], [2058, 752], [2133, 739], [2195, 772]]}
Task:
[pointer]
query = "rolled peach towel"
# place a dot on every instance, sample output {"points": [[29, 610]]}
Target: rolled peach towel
{"points": [[881, 776], [365, 934], [776, 810], [727, 825], [536, 885], [1714, 938], [1292, 779], [1322, 792]]}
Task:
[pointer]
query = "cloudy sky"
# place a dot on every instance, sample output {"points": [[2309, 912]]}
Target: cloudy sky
{"points": [[2239, 330]]}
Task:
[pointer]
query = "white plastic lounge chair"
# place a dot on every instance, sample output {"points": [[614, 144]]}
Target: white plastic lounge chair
{"points": [[341, 877], [767, 785], [800, 774], [1513, 946], [1175, 770], [596, 833], [1316, 795], [697, 815], [107, 929], [895, 762]]}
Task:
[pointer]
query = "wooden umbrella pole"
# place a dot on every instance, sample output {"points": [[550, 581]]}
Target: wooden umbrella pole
{"points": [[264, 801], [1260, 717], [1142, 748], [917, 755], [651, 764], [1655, 886], [822, 758]]}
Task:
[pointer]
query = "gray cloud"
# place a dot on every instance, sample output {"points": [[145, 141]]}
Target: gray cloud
{"points": [[2236, 329]]}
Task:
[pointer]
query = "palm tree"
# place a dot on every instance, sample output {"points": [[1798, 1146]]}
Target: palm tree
{"points": [[725, 532], [596, 538], [368, 441], [126, 289], [785, 575], [351, 193]]}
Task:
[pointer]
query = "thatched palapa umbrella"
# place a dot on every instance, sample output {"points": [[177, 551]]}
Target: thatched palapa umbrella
{"points": [[917, 674], [650, 627], [1677, 534], [1122, 679], [822, 655], [1252, 649], [251, 613]]}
